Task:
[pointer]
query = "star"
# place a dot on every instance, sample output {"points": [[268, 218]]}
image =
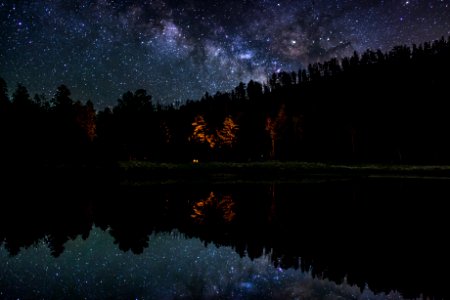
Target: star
{"points": [[178, 50]]}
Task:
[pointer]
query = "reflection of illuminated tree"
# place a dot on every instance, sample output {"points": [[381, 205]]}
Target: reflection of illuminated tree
{"points": [[214, 207]]}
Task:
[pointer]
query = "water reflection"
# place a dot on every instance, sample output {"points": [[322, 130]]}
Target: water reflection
{"points": [[215, 208], [172, 267], [388, 234]]}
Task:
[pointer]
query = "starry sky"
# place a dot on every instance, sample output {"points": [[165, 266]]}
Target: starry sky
{"points": [[180, 49], [172, 267]]}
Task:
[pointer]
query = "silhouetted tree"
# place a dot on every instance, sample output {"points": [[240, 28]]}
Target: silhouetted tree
{"points": [[62, 101], [240, 92], [359, 108], [4, 98], [5, 115], [254, 90], [21, 99], [135, 124]]}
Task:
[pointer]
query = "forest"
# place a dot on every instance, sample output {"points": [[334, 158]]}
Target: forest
{"points": [[382, 107]]}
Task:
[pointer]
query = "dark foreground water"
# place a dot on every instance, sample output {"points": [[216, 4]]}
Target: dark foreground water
{"points": [[310, 239]]}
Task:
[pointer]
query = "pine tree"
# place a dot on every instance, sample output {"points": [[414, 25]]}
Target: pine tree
{"points": [[227, 135]]}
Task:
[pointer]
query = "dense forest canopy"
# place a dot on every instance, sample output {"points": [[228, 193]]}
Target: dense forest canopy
{"points": [[370, 107]]}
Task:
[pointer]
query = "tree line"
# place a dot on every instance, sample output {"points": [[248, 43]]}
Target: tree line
{"points": [[370, 107]]}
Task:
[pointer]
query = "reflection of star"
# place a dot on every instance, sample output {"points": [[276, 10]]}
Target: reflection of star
{"points": [[171, 267], [100, 49]]}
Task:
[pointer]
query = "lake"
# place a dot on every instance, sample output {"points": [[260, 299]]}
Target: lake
{"points": [[319, 237]]}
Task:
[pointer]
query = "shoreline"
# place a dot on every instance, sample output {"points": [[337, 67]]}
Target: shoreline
{"points": [[274, 170]]}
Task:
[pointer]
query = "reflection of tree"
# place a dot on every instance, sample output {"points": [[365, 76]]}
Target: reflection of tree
{"points": [[130, 238], [212, 208]]}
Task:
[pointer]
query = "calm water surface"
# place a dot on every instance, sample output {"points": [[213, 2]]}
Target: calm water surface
{"points": [[315, 238]]}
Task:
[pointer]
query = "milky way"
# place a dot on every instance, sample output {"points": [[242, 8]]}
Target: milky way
{"points": [[179, 50]]}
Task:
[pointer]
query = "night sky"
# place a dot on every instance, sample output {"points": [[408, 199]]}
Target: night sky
{"points": [[178, 50]]}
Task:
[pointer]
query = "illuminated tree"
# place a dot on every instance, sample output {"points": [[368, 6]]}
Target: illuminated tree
{"points": [[85, 118], [201, 133], [90, 120], [275, 126], [271, 129], [227, 135], [165, 132]]}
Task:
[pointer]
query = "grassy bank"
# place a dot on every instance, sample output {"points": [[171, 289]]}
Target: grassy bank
{"points": [[272, 170]]}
